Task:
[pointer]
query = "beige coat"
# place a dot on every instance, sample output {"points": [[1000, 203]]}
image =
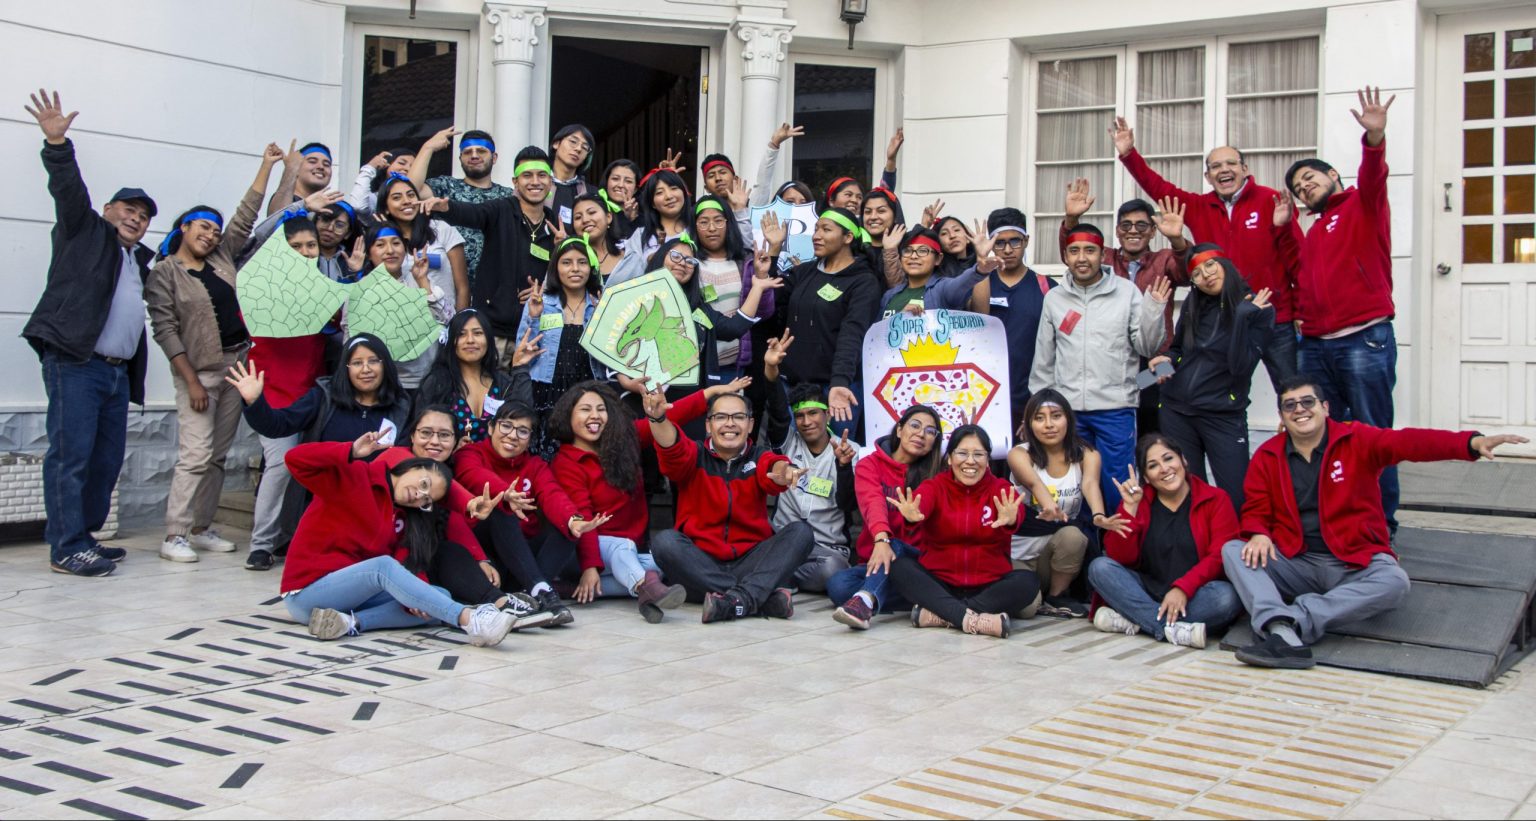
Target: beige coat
{"points": [[180, 310]]}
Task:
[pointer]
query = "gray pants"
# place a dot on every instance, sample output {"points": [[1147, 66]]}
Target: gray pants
{"points": [[1323, 590], [823, 563], [267, 525], [751, 578]]}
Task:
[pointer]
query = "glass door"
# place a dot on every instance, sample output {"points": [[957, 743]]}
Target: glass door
{"points": [[407, 84]]}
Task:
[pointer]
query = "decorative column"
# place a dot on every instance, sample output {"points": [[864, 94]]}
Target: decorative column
{"points": [[763, 57], [515, 36]]}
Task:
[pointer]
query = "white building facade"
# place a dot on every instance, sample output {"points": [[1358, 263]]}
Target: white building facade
{"points": [[1002, 102]]}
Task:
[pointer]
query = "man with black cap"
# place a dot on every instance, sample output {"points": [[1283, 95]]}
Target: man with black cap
{"points": [[88, 328]]}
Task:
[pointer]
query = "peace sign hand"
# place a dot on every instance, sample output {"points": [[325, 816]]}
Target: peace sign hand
{"points": [[908, 503], [527, 349], [932, 213], [844, 449], [777, 348], [367, 445], [1130, 490], [481, 507], [533, 297], [1007, 506], [671, 162]]}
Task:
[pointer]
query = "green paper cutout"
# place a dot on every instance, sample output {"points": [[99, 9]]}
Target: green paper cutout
{"points": [[643, 328], [282, 293], [395, 312]]}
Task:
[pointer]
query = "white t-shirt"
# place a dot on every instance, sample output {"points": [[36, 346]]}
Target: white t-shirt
{"points": [[1068, 493], [441, 275]]}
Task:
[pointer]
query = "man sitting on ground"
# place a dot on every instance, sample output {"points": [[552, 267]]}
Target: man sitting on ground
{"points": [[1337, 567]]}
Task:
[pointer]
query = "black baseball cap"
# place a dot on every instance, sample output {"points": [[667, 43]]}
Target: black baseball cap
{"points": [[127, 194]]}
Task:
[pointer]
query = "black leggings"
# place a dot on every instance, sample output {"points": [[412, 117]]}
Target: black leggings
{"points": [[458, 572], [1009, 594], [524, 563]]}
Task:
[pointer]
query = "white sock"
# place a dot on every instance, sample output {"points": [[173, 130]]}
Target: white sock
{"points": [[540, 588], [351, 623], [869, 598], [1286, 633]]}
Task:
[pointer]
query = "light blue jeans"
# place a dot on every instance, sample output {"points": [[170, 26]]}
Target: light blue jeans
{"points": [[624, 566], [376, 592]]}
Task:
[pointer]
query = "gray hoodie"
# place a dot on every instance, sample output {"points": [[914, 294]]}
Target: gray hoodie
{"points": [[1091, 341]]}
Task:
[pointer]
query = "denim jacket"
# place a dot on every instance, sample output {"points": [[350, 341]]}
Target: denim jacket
{"points": [[542, 369]]}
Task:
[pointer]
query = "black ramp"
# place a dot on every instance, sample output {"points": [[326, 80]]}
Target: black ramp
{"points": [[1480, 619], [1477, 559], [1393, 658]]}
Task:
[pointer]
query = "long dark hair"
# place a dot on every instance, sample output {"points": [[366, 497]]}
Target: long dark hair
{"points": [[172, 241], [1151, 440], [919, 471], [1234, 291], [650, 218], [949, 264], [735, 249], [609, 240], [618, 448], [1071, 442], [898, 217], [552, 284], [445, 381], [341, 392], [658, 261], [422, 234], [423, 530]]}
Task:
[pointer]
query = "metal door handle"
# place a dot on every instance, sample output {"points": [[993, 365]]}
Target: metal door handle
{"points": [[1442, 269], [1447, 200]]}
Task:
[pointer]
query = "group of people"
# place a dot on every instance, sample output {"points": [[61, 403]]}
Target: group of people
{"points": [[505, 474]]}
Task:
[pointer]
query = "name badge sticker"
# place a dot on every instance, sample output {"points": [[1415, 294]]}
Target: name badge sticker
{"points": [[549, 322], [829, 292]]}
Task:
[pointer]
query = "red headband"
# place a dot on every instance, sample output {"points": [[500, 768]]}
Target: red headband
{"points": [[928, 241], [883, 191], [831, 189], [1204, 256], [713, 163], [648, 175], [1085, 236]]}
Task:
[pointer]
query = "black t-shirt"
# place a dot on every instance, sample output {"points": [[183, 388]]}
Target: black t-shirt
{"points": [[226, 307], [1168, 551], [1304, 479]]}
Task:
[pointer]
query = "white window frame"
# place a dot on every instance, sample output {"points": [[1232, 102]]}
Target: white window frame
{"points": [[1044, 256], [884, 105], [466, 79]]}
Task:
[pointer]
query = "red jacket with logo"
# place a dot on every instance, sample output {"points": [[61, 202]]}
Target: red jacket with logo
{"points": [[875, 479], [960, 546], [1248, 236], [1344, 273], [460, 528], [1212, 522], [722, 504], [477, 464], [1348, 496]]}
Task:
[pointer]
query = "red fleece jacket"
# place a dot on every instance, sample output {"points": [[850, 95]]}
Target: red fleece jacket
{"points": [[875, 479], [1212, 522], [960, 546], [478, 464], [722, 505]]}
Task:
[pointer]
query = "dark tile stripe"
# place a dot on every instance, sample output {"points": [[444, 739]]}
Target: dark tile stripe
{"points": [[367, 682], [56, 677], [297, 725], [233, 708], [247, 625], [114, 725], [240, 776], [166, 654], [148, 688], [194, 746], [443, 639], [324, 657], [131, 663], [363, 648], [400, 644], [183, 634], [200, 679], [252, 734], [365, 711], [54, 732], [73, 772], [220, 649], [8, 721], [242, 671], [160, 798], [41, 707], [23, 786], [144, 757], [11, 755], [325, 691], [293, 635], [276, 696], [100, 696], [271, 601], [259, 643], [166, 711], [448, 663], [102, 810], [396, 673], [286, 663], [275, 619]]}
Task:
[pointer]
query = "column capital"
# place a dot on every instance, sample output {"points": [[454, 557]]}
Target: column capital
{"points": [[763, 52], [516, 31]]}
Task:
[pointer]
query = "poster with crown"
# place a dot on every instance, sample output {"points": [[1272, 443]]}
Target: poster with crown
{"points": [[956, 362]]}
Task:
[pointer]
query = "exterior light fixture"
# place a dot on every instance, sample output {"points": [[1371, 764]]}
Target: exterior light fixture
{"points": [[853, 13]]}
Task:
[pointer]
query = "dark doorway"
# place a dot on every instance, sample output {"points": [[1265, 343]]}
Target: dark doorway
{"points": [[639, 99], [836, 105], [409, 88]]}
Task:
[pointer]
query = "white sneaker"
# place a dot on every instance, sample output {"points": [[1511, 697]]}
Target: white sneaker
{"points": [[488, 626], [177, 549], [1109, 621], [1185, 634], [328, 625], [211, 541]]}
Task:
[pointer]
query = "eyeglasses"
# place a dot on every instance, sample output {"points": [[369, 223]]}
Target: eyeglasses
{"points": [[1203, 273], [373, 362], [507, 427], [1011, 242], [680, 257], [1138, 227], [738, 418], [917, 251], [1293, 405], [918, 427], [970, 455], [435, 434]]}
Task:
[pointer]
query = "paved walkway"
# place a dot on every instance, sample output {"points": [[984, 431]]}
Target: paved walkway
{"points": [[184, 691]]}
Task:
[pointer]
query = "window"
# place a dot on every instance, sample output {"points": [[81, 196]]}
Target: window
{"points": [[1262, 97], [836, 105], [410, 89]]}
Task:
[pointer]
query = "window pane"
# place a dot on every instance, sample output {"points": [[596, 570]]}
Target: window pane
{"points": [[1187, 173], [1477, 100], [1477, 243], [1519, 97], [1477, 196], [1077, 83], [1170, 75], [1177, 128], [1051, 185], [1520, 48], [1478, 52], [1074, 136], [1272, 122], [1519, 194], [836, 104], [408, 95], [1269, 168], [1477, 148], [1520, 242], [1279, 65], [1520, 145]]}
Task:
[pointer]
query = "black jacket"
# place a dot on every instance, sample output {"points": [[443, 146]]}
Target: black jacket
{"points": [[311, 412], [506, 264], [1214, 374], [82, 274], [828, 327]]}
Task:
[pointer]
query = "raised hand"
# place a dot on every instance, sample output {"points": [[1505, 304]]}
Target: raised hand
{"points": [[1122, 135], [321, 200], [1007, 506], [420, 265], [432, 205], [777, 349], [527, 349], [381, 161], [1284, 210], [249, 382], [1079, 198], [518, 503], [738, 196], [440, 141], [557, 228], [482, 506], [367, 445], [1170, 223], [1261, 299], [844, 449], [893, 237], [762, 259], [672, 161], [293, 158], [908, 504], [784, 133], [1131, 490], [271, 155], [785, 474], [1484, 445], [533, 298], [893, 147], [842, 400], [774, 232], [655, 403], [358, 258], [50, 116], [632, 208], [1372, 115], [980, 241], [581, 527], [737, 385], [932, 213], [1160, 291]]}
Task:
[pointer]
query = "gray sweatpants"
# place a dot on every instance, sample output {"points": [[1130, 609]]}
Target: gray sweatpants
{"points": [[1322, 590]]}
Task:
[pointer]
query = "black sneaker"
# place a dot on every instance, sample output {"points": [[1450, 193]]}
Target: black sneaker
{"points": [[84, 563], [260, 560], [723, 607], [780, 604], [1275, 653], [111, 554], [549, 601], [1063, 607]]}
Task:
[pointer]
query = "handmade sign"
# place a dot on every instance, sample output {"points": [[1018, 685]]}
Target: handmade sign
{"points": [[644, 328], [799, 222], [953, 361], [394, 312], [283, 294]]}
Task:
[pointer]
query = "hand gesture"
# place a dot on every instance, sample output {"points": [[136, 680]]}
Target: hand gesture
{"points": [[1284, 210], [980, 241], [672, 161], [249, 382], [441, 140], [736, 385], [533, 297], [842, 400], [358, 258], [880, 559], [1007, 506], [518, 503], [1122, 135], [293, 158], [932, 213], [844, 449], [481, 507], [50, 116], [581, 527], [762, 259], [367, 445], [774, 232], [655, 403], [1175, 606], [785, 474], [433, 205], [321, 200], [420, 265], [1115, 524], [908, 504], [1259, 551], [1484, 445], [893, 147], [380, 160], [1050, 511], [1159, 360], [738, 196], [589, 586], [1170, 223], [777, 349], [893, 237], [557, 228], [630, 384], [1079, 198], [1372, 115], [1160, 291], [1261, 299], [271, 155], [632, 208], [1131, 490], [527, 349], [784, 133]]}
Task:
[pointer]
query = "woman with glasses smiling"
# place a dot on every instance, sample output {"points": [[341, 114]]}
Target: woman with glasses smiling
{"points": [[678, 256], [922, 288]]}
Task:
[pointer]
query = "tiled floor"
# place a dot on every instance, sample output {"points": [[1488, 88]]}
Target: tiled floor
{"points": [[184, 691]]}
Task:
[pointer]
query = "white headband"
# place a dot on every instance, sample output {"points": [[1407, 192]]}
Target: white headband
{"points": [[1002, 228]]}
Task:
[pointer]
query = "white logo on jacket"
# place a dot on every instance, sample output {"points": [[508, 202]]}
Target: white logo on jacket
{"points": [[986, 514], [1337, 474], [1253, 220], [527, 485], [1333, 223]]}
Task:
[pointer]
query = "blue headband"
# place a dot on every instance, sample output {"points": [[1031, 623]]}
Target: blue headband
{"points": [[396, 175], [481, 142], [386, 231], [316, 149], [347, 207], [292, 213], [165, 244]]}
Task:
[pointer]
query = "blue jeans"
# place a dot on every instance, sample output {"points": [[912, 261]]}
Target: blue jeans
{"points": [[87, 432], [623, 566], [845, 583], [376, 592], [1215, 604], [1357, 374], [1113, 434]]}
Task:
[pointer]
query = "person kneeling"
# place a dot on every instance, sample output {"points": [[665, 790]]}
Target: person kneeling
{"points": [[1162, 564], [964, 577], [1317, 535], [723, 548]]}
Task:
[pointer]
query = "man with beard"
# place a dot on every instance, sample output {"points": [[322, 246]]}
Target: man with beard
{"points": [[477, 157]]}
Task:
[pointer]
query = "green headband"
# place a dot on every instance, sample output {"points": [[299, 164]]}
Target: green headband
{"points": [[811, 404], [602, 194], [708, 205], [532, 165], [582, 240], [848, 225]]}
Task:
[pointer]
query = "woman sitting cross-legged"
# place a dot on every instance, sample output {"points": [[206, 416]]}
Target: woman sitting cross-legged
{"points": [[344, 573], [1163, 573], [963, 576]]}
